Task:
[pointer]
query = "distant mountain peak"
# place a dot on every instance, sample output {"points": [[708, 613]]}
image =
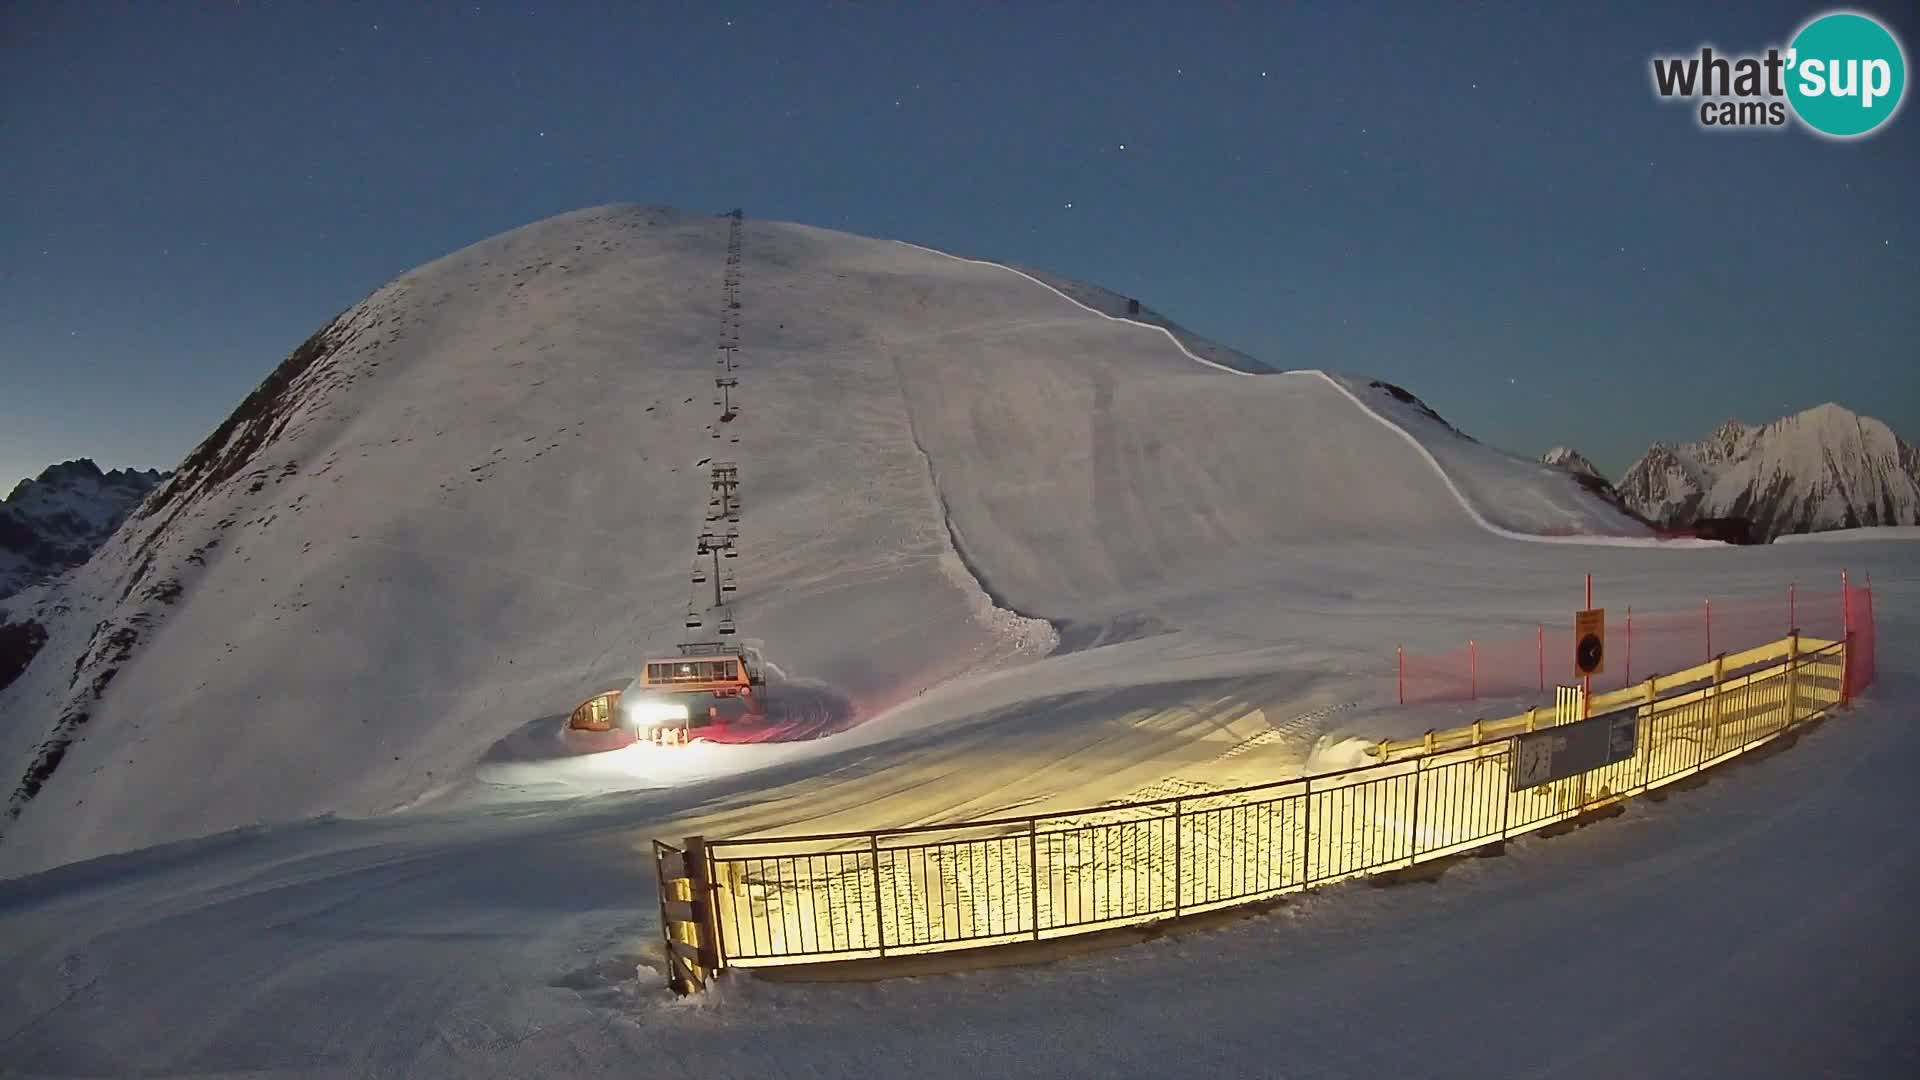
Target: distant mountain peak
{"points": [[52, 523], [1572, 460], [1825, 467]]}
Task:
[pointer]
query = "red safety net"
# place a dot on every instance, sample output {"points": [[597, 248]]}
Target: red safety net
{"points": [[1859, 616], [1640, 644]]}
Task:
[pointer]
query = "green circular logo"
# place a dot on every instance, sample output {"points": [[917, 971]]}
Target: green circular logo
{"points": [[1846, 74]]}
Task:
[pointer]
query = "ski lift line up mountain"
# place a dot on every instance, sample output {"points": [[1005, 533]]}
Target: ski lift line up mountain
{"points": [[703, 667], [724, 503]]}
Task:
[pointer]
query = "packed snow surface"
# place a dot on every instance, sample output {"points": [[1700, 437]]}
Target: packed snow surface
{"points": [[1753, 927], [323, 819], [1843, 536]]}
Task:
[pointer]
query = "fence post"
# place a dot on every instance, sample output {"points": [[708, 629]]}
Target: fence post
{"points": [[1846, 634], [1413, 830], [1506, 792], [1719, 672], [1033, 868], [701, 873], [1646, 731], [1846, 671], [684, 975], [1793, 683], [879, 913], [1177, 860], [1306, 829]]}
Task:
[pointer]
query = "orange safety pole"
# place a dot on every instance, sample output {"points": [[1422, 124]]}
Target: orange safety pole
{"points": [[1473, 669], [1629, 644], [1540, 646], [1793, 607], [1401, 653]]}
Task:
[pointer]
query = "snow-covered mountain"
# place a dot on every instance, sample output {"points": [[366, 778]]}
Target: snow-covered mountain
{"points": [[473, 497], [53, 523], [1824, 468], [1572, 460]]}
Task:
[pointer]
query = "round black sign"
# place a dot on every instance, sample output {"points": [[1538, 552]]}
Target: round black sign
{"points": [[1587, 656]]}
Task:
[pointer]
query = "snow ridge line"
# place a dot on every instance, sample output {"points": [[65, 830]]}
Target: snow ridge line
{"points": [[1419, 447], [1112, 318], [1472, 512]]}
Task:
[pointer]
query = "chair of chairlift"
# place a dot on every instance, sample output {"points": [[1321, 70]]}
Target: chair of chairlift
{"points": [[693, 620], [728, 585], [699, 575], [725, 627]]}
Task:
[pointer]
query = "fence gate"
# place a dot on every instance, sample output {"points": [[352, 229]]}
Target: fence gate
{"points": [[686, 914]]}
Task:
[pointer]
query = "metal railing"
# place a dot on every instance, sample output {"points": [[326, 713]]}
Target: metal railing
{"points": [[806, 899]]}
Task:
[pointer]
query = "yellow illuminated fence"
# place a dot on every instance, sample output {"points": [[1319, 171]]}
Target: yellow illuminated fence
{"points": [[808, 899]]}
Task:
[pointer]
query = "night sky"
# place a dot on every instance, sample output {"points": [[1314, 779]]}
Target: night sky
{"points": [[1486, 204]]}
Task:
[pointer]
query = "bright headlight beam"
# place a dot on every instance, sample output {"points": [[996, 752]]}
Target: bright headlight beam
{"points": [[644, 713]]}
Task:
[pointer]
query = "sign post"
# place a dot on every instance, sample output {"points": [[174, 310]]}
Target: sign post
{"points": [[1589, 646]]}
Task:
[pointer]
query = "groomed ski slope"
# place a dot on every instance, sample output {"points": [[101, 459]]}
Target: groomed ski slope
{"points": [[480, 499]]}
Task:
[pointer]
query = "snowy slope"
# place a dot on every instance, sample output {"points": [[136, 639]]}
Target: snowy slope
{"points": [[473, 497], [52, 523], [517, 944], [1825, 468], [1510, 493], [1864, 534]]}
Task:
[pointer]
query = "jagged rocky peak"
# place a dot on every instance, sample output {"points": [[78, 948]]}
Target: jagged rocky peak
{"points": [[81, 474], [1572, 460], [1823, 468], [54, 522]]}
